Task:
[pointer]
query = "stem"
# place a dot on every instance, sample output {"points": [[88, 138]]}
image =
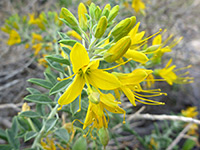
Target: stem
{"points": [[102, 41], [41, 133]]}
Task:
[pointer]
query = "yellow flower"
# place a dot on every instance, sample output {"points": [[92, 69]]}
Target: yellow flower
{"points": [[138, 5], [37, 48], [27, 46], [190, 112], [49, 145], [74, 34], [25, 107], [32, 19], [36, 37], [95, 112], [168, 73], [14, 38], [131, 87], [86, 72]]}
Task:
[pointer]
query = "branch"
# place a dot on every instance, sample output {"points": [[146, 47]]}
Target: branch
{"points": [[164, 117]]}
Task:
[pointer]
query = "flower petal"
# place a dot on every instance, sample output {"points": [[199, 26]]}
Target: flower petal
{"points": [[73, 91], [79, 57], [102, 79], [129, 94]]}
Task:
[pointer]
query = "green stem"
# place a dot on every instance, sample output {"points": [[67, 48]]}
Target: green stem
{"points": [[102, 41], [31, 124], [41, 133]]}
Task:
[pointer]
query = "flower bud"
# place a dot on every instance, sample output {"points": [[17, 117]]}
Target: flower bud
{"points": [[92, 9], [101, 27], [151, 49], [106, 10], [126, 30], [113, 13], [80, 144], [81, 15], [104, 136], [69, 17], [118, 50], [120, 27], [136, 56], [97, 13], [94, 97]]}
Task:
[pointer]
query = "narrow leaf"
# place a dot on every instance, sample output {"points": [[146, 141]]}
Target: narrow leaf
{"points": [[38, 98], [41, 82], [62, 85]]}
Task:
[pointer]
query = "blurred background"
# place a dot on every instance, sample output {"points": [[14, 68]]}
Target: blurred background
{"points": [[180, 18]]}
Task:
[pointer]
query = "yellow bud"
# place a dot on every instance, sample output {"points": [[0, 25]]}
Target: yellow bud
{"points": [[106, 10], [104, 136], [81, 15], [118, 50], [94, 97], [101, 27], [69, 17], [120, 27], [113, 13]]}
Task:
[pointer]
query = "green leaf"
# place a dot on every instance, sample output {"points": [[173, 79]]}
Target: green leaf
{"points": [[3, 135], [37, 123], [58, 58], [55, 65], [63, 35], [38, 98], [33, 91], [41, 82], [29, 114], [12, 139], [189, 144], [14, 127], [62, 85], [63, 134], [66, 50], [23, 123], [68, 42], [5, 147], [40, 108], [74, 106], [50, 77], [50, 123], [30, 135]]}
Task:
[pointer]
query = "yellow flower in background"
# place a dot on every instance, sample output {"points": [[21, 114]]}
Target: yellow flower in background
{"points": [[25, 107], [190, 112], [193, 113], [49, 144], [14, 38], [26, 45], [131, 86], [169, 74], [36, 37], [6, 29], [138, 5], [42, 61], [37, 48], [74, 34], [86, 72], [32, 19]]}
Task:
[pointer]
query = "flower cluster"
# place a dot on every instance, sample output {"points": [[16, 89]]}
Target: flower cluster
{"points": [[105, 43]]}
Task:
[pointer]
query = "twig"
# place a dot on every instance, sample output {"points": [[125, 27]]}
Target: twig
{"points": [[18, 70], [9, 84], [14, 106], [164, 117], [179, 137], [5, 122]]}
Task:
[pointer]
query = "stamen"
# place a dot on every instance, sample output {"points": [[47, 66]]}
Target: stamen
{"points": [[150, 36], [155, 80], [183, 68], [148, 100], [124, 118], [160, 103], [165, 42], [118, 65], [74, 121], [159, 94], [175, 42], [107, 116], [59, 79]]}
